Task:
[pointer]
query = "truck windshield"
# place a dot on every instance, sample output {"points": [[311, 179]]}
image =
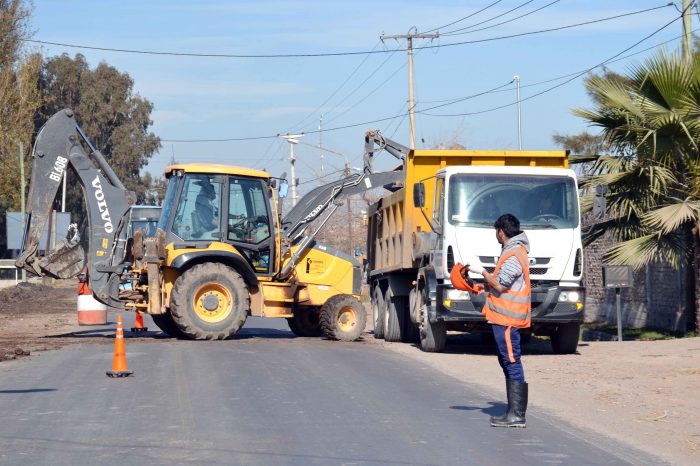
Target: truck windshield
{"points": [[537, 201]]}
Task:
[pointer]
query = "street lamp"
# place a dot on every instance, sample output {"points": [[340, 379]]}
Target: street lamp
{"points": [[293, 139], [516, 78]]}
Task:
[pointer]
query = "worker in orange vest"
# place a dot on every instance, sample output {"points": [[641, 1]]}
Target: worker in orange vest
{"points": [[507, 309]]}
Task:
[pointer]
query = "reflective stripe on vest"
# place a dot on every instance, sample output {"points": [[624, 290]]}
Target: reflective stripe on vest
{"points": [[511, 308]]}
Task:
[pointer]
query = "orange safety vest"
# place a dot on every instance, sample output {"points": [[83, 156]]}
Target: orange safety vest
{"points": [[510, 308]]}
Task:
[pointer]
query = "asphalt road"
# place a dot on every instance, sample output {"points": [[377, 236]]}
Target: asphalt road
{"points": [[266, 398]]}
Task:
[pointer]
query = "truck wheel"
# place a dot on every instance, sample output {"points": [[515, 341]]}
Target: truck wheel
{"points": [[210, 302], [305, 322], [394, 321], [433, 336], [167, 325], [565, 339], [343, 318], [378, 311]]}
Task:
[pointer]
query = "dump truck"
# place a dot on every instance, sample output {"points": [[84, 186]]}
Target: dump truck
{"points": [[222, 251], [445, 214]]}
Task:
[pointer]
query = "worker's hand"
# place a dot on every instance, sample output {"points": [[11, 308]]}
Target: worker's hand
{"points": [[479, 288], [476, 269]]}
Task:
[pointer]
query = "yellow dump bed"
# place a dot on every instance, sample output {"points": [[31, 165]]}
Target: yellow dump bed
{"points": [[394, 219]]}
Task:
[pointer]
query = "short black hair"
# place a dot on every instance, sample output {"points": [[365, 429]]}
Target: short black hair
{"points": [[509, 224]]}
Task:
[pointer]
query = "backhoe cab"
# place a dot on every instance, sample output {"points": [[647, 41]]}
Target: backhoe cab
{"points": [[221, 253]]}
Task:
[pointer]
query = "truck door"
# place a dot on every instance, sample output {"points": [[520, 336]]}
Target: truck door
{"points": [[250, 223]]}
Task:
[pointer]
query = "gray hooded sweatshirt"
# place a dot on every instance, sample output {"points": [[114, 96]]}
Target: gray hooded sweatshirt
{"points": [[511, 273]]}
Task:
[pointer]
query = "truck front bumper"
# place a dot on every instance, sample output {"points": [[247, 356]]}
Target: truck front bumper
{"points": [[550, 304]]}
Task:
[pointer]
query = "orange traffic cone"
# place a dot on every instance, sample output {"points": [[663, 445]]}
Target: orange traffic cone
{"points": [[138, 324], [119, 368]]}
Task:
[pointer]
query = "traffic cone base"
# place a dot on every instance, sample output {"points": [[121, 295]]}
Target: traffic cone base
{"points": [[119, 368], [138, 324]]}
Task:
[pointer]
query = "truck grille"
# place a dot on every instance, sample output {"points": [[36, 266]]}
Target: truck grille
{"points": [[533, 270]]}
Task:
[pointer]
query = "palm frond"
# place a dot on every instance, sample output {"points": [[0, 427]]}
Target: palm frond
{"points": [[670, 218]]}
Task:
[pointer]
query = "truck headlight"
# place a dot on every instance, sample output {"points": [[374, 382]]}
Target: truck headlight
{"points": [[569, 296], [458, 295]]}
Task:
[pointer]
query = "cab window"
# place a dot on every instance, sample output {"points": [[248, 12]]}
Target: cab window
{"points": [[198, 211]]}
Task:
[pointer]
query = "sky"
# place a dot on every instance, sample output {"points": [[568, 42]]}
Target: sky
{"points": [[205, 98]]}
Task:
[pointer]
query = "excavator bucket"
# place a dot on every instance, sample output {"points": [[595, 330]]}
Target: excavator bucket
{"points": [[68, 259]]}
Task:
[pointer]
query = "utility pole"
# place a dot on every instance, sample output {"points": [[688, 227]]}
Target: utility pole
{"points": [[320, 141], [411, 100], [23, 201], [687, 49], [350, 239], [516, 78], [293, 139]]}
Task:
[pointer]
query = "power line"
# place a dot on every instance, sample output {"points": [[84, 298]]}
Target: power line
{"points": [[312, 113], [614, 58], [351, 93], [337, 54], [560, 84], [558, 78], [462, 19], [501, 15], [453, 33]]}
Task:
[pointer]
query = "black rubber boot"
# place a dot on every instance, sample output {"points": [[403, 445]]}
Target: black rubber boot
{"points": [[517, 405]]}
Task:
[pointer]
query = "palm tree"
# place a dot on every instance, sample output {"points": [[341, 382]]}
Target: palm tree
{"points": [[650, 120]]}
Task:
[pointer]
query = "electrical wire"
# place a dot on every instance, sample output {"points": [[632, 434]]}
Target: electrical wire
{"points": [[359, 86], [337, 54], [560, 84], [462, 19], [333, 94], [500, 15], [502, 22]]}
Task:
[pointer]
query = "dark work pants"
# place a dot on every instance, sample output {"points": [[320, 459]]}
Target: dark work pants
{"points": [[506, 356]]}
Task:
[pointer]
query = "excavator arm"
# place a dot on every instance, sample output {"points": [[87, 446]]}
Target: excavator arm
{"points": [[58, 146], [324, 199]]}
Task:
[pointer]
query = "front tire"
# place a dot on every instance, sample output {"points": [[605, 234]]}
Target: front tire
{"points": [[210, 302], [167, 325], [343, 318], [306, 322], [565, 339], [433, 336]]}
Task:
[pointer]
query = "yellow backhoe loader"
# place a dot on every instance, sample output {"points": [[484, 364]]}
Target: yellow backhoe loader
{"points": [[222, 251]]}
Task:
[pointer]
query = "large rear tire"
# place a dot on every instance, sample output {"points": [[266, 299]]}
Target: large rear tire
{"points": [[394, 321], [378, 311], [306, 322], [565, 339], [433, 335], [210, 302], [167, 325], [343, 318]]}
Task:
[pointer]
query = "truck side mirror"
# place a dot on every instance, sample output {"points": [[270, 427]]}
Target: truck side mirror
{"points": [[284, 188], [419, 195]]}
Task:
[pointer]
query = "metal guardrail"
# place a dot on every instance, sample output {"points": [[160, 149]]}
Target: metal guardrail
{"points": [[10, 264]]}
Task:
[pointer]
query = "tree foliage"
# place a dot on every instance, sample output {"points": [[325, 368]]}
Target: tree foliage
{"points": [[19, 99], [650, 122], [114, 118]]}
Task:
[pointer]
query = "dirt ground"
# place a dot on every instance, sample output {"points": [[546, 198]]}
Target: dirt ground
{"points": [[644, 393], [641, 393], [36, 317]]}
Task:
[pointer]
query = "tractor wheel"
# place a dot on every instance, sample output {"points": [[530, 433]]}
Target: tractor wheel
{"points": [[167, 325], [210, 302], [378, 311], [343, 318], [305, 322]]}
